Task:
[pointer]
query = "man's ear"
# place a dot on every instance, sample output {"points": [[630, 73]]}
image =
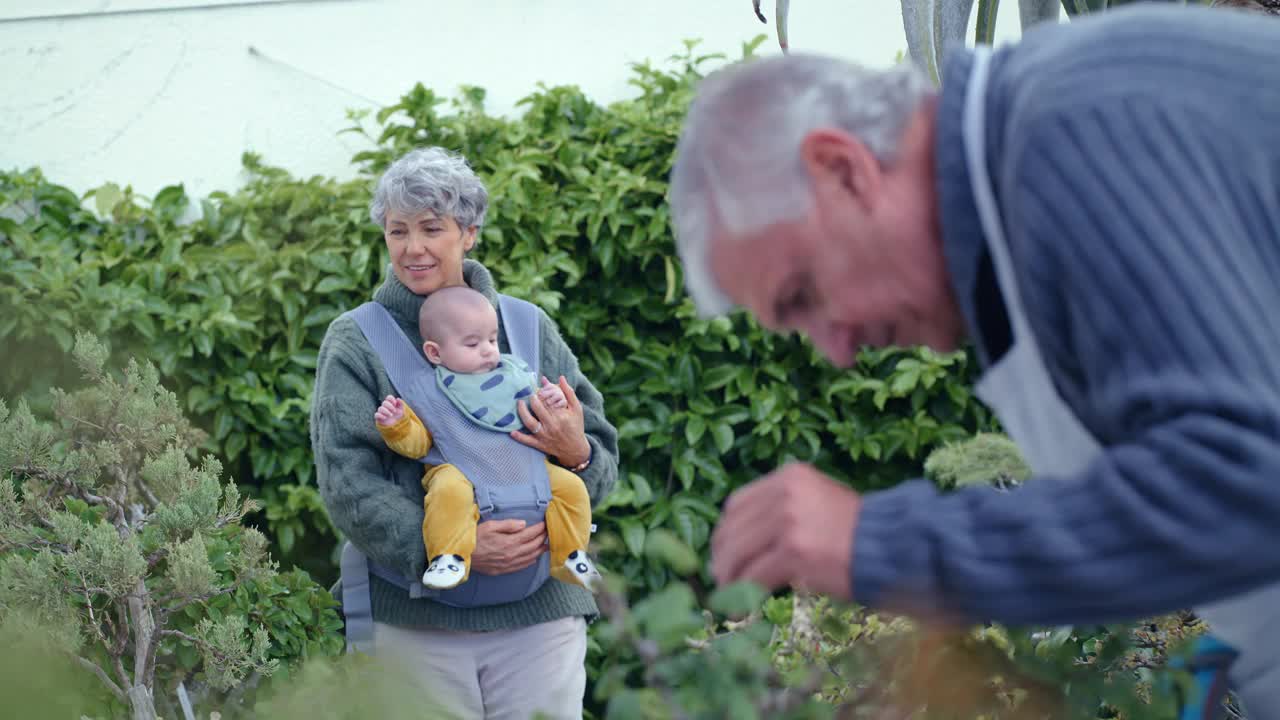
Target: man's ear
{"points": [[839, 163], [432, 351]]}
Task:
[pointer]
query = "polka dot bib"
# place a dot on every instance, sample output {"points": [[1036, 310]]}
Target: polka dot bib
{"points": [[489, 399]]}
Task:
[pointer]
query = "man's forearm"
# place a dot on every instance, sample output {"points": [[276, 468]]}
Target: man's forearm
{"points": [[1134, 536]]}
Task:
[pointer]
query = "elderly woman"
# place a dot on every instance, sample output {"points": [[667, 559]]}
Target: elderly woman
{"points": [[508, 660]]}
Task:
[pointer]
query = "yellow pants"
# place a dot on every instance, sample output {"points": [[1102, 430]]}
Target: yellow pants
{"points": [[449, 527]]}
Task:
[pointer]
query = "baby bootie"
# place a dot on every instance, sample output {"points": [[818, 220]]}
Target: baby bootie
{"points": [[444, 572], [582, 569]]}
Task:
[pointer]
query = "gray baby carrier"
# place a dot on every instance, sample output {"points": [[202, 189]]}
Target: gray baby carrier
{"points": [[510, 479]]}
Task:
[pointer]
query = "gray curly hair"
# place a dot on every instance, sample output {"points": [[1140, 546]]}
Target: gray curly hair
{"points": [[738, 166], [431, 179]]}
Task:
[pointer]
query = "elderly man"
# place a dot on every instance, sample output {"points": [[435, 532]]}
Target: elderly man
{"points": [[1097, 209]]}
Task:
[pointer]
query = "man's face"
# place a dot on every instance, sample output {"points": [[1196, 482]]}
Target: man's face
{"points": [[863, 267]]}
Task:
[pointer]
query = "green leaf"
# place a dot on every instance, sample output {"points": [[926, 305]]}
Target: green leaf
{"points": [[635, 427], [694, 429], [328, 262], [640, 486], [330, 284], [306, 359], [738, 599], [223, 422], [235, 443], [188, 656], [719, 376], [684, 470], [1059, 636], [106, 198], [881, 397], [627, 705], [663, 546], [904, 382], [673, 285], [764, 407], [723, 435], [285, 535], [668, 615], [322, 315], [633, 534]]}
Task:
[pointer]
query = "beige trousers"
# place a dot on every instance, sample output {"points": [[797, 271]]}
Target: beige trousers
{"points": [[501, 675]]}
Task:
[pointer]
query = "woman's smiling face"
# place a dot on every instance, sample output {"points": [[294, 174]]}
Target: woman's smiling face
{"points": [[426, 249]]}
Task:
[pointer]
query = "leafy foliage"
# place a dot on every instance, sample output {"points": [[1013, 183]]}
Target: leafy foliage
{"points": [[223, 306], [231, 306], [984, 459], [738, 654], [109, 535]]}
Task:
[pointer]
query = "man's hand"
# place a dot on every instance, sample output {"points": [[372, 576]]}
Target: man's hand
{"points": [[504, 546], [552, 395], [792, 527], [389, 412]]}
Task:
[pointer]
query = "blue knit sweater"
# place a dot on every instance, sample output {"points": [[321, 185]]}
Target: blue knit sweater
{"points": [[1136, 159]]}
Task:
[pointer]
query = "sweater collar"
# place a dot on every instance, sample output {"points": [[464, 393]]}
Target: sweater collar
{"points": [[963, 240], [404, 304]]}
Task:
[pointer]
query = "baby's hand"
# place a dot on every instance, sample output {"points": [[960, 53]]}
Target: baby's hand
{"points": [[389, 412], [553, 396]]}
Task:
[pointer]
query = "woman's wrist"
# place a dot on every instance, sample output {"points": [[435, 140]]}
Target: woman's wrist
{"points": [[579, 460]]}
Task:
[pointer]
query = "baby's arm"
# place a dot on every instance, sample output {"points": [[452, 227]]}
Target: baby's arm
{"points": [[401, 429]]}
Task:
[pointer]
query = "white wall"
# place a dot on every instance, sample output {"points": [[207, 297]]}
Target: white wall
{"points": [[148, 93]]}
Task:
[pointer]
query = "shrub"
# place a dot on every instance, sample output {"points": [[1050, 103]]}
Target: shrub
{"points": [[231, 308], [739, 654], [134, 555]]}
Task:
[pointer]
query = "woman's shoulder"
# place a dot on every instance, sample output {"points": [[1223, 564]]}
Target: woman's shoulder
{"points": [[345, 345], [343, 333]]}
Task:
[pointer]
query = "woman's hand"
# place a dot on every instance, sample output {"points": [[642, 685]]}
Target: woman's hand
{"points": [[506, 546], [555, 431]]}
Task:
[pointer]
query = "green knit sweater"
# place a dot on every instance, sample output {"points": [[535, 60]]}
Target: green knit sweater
{"points": [[374, 496]]}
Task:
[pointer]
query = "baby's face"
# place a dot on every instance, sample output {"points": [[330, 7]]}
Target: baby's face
{"points": [[471, 343]]}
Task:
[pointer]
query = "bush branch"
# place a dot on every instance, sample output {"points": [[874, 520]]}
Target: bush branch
{"points": [[101, 674], [165, 609]]}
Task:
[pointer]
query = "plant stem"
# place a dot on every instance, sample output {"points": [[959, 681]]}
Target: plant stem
{"points": [[100, 673]]}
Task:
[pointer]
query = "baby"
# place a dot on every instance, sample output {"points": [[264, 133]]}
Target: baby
{"points": [[460, 331]]}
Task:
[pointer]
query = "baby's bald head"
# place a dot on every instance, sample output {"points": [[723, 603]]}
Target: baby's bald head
{"points": [[447, 311], [459, 329]]}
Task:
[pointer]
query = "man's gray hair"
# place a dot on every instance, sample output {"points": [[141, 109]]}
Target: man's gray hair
{"points": [[431, 179], [738, 166]]}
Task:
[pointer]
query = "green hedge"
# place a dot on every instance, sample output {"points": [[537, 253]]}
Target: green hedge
{"points": [[232, 308]]}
